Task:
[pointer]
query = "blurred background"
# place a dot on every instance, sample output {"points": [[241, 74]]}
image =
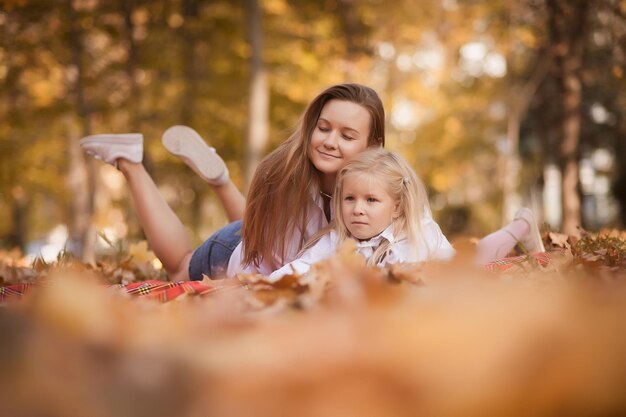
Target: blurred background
{"points": [[496, 104]]}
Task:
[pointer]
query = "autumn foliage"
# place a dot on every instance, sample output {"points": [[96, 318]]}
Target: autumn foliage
{"points": [[434, 340]]}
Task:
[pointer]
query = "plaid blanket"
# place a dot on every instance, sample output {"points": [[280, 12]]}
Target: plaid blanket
{"points": [[167, 291], [152, 289], [523, 261], [13, 291]]}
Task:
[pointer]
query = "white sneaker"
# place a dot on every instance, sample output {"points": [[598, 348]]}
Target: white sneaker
{"points": [[533, 242], [110, 147], [188, 145]]}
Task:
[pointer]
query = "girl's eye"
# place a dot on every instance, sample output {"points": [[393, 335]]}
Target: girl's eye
{"points": [[349, 198], [372, 200], [348, 137], [323, 128]]}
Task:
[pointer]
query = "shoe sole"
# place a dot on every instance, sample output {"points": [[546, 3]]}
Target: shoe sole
{"points": [[188, 145], [117, 138], [128, 146]]}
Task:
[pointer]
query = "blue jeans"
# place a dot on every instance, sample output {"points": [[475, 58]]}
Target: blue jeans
{"points": [[212, 257]]}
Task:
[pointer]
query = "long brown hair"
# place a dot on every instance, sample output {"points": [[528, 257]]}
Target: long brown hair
{"points": [[278, 199]]}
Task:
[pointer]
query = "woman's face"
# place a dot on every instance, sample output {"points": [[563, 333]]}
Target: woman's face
{"points": [[341, 133]]}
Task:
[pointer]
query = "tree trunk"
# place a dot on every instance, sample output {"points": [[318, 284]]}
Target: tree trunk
{"points": [[134, 104], [16, 238], [567, 22], [619, 188], [191, 62], [10, 179], [258, 108], [192, 71], [351, 28], [518, 101], [81, 174], [128, 6]]}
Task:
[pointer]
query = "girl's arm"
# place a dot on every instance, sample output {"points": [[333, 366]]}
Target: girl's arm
{"points": [[323, 249]]}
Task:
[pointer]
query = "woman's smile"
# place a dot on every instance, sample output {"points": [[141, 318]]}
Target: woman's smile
{"points": [[327, 155]]}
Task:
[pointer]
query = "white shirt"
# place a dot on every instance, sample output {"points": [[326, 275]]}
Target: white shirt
{"points": [[317, 221], [436, 247]]}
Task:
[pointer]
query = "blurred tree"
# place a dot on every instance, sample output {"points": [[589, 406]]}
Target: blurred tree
{"points": [[601, 85], [258, 107], [456, 79], [81, 178], [525, 73], [29, 81], [604, 105], [12, 191], [193, 68], [568, 28], [129, 8]]}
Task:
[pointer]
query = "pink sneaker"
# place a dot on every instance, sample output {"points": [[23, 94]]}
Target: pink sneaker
{"points": [[188, 145], [533, 242], [110, 147]]}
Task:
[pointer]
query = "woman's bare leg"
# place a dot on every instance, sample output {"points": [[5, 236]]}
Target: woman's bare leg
{"points": [[167, 236], [232, 200], [186, 144]]}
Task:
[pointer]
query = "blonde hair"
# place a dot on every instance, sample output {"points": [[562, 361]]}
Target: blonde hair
{"points": [[278, 200], [401, 183]]}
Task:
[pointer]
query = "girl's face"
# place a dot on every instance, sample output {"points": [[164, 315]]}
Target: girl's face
{"points": [[366, 206], [341, 133]]}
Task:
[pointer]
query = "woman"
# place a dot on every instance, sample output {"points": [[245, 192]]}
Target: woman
{"points": [[290, 194], [289, 197]]}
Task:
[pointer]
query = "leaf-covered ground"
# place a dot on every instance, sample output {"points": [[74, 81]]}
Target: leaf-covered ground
{"points": [[435, 340]]}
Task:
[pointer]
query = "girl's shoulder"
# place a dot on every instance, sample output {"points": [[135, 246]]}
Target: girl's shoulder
{"points": [[437, 243], [429, 225]]}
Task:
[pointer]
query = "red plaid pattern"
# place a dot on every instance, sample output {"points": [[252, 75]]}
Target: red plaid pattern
{"points": [[157, 290], [541, 259], [167, 291], [13, 291]]}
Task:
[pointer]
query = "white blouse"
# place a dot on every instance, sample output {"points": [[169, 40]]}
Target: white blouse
{"points": [[317, 221], [436, 247]]}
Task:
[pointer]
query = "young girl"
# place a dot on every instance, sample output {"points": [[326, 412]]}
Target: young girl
{"points": [[289, 197], [381, 203]]}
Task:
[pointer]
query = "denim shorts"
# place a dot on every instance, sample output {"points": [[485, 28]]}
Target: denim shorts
{"points": [[212, 257]]}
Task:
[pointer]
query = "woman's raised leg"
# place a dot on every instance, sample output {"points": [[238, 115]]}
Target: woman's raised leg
{"points": [[233, 201], [166, 235], [188, 145]]}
